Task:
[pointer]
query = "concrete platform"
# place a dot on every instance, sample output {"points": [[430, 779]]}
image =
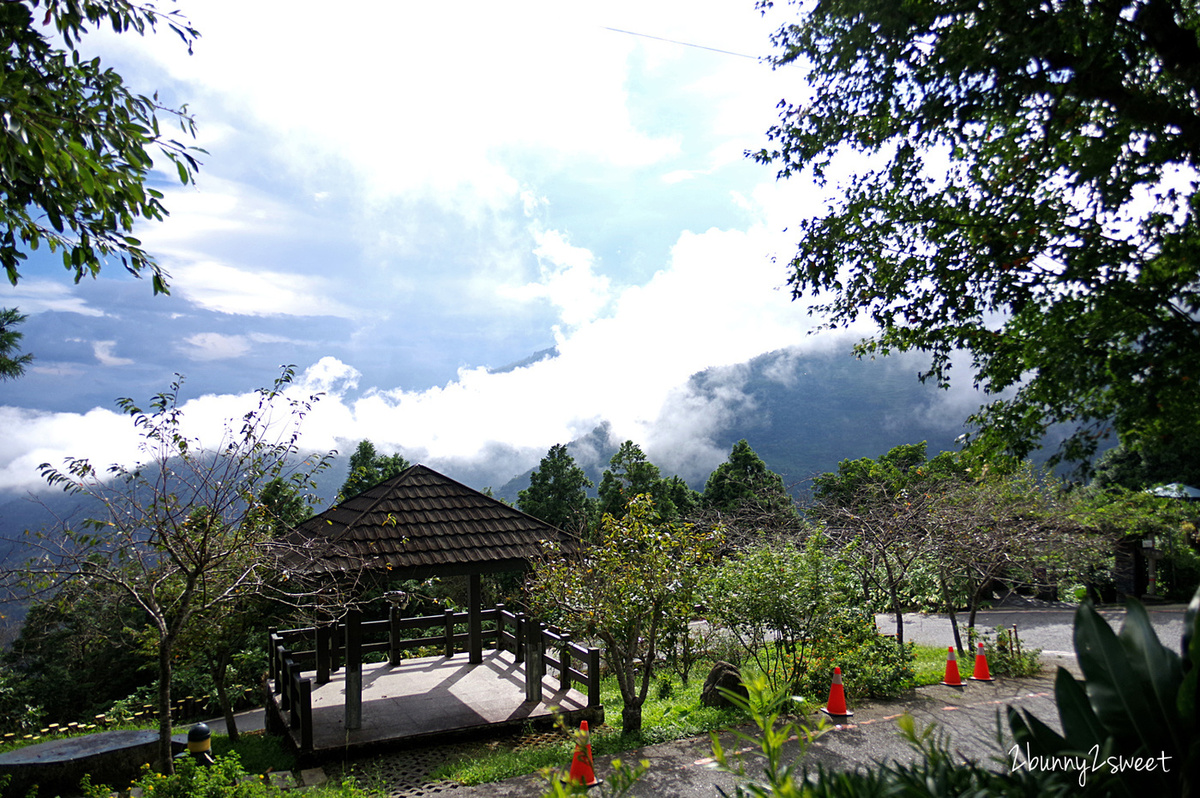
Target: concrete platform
{"points": [[430, 697]]}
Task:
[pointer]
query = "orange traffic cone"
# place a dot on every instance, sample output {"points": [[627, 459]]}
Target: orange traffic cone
{"points": [[982, 674], [836, 708], [581, 765], [952, 678]]}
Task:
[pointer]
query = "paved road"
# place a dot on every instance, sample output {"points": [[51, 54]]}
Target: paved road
{"points": [[1049, 628]]}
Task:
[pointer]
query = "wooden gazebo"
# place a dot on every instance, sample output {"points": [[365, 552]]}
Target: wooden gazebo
{"points": [[416, 525]]}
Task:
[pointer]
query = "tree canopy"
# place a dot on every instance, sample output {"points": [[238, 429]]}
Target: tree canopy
{"points": [[744, 479], [368, 468], [77, 145], [630, 473], [12, 364], [629, 590], [1023, 187], [557, 492]]}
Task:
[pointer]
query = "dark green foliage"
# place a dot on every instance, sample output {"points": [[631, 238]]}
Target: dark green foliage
{"points": [[12, 364], [226, 778], [77, 145], [1138, 699], [631, 474], [76, 654], [368, 469], [1021, 189], [557, 492], [1149, 465], [283, 505], [744, 483], [858, 482], [681, 496]]}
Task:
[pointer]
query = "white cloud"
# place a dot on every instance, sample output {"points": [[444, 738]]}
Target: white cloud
{"points": [[215, 346], [104, 353], [568, 279], [228, 289], [39, 296], [719, 300], [33, 437], [349, 94]]}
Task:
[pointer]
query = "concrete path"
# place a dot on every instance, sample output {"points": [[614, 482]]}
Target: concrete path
{"points": [[968, 715]]}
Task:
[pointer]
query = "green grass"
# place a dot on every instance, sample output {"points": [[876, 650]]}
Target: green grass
{"points": [[929, 665], [258, 751], [673, 716]]}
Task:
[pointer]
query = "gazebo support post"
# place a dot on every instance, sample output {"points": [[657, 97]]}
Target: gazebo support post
{"points": [[353, 670], [535, 665], [475, 619]]}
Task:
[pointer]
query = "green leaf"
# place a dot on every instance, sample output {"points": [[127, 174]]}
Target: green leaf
{"points": [[1157, 670], [1080, 725], [1120, 701]]}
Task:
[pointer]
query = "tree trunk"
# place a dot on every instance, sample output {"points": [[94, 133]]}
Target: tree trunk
{"points": [[219, 672], [950, 611], [894, 594], [631, 718], [165, 762], [974, 608]]}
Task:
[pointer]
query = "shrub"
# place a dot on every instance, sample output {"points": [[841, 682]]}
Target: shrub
{"points": [[1006, 656], [797, 613]]}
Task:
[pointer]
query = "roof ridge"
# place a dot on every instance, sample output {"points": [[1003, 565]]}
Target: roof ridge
{"points": [[396, 479]]}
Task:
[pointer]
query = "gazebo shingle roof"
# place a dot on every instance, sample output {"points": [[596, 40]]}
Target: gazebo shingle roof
{"points": [[420, 523]]}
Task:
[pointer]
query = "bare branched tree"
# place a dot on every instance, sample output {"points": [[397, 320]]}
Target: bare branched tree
{"points": [[181, 535]]}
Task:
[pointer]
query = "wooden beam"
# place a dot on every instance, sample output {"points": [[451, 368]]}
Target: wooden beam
{"points": [[474, 619], [353, 669]]}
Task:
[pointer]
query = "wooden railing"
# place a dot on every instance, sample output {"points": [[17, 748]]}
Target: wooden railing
{"points": [[320, 650]]}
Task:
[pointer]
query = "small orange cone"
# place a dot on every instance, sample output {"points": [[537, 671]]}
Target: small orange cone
{"points": [[982, 674], [836, 708], [952, 678], [581, 765]]}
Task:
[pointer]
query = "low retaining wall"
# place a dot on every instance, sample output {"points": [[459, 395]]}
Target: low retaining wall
{"points": [[114, 758]]}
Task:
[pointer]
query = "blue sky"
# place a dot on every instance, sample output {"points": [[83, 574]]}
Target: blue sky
{"points": [[399, 197]]}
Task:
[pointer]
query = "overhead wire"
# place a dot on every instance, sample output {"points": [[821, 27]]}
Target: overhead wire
{"points": [[682, 44]]}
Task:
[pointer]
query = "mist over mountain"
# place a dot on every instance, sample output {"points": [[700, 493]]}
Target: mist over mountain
{"points": [[802, 411]]}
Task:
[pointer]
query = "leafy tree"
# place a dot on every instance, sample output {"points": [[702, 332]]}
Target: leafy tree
{"points": [[557, 492], [1017, 528], [77, 145], [1022, 188], [12, 365], [77, 653], [744, 479], [1149, 465], [861, 481], [179, 535], [681, 496], [282, 505], [878, 507], [630, 473], [969, 526], [368, 468], [627, 590]]}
